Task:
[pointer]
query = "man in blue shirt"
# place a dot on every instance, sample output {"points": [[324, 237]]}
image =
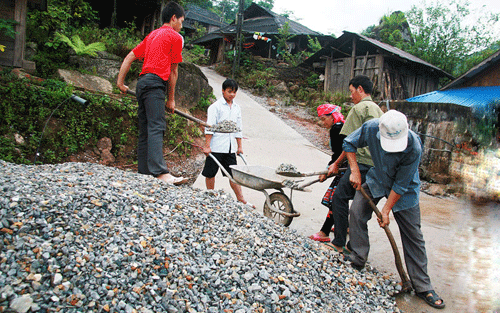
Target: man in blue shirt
{"points": [[396, 152]]}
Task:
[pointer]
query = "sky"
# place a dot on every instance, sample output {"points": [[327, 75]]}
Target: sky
{"points": [[335, 16]]}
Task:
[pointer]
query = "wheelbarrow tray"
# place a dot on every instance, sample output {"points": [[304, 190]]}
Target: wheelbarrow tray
{"points": [[256, 177]]}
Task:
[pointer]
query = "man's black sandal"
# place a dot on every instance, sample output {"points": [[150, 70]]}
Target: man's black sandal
{"points": [[431, 298]]}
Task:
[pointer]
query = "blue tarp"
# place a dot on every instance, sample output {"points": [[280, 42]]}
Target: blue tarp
{"points": [[478, 98]]}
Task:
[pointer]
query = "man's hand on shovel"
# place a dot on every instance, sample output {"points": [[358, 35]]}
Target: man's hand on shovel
{"points": [[170, 106], [383, 217]]}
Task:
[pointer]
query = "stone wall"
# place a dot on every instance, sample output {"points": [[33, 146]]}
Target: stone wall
{"points": [[192, 85], [437, 123]]}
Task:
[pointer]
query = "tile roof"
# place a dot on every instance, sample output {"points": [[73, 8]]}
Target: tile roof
{"points": [[195, 13], [259, 19]]}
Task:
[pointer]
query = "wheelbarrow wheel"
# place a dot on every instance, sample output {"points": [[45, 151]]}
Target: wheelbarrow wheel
{"points": [[280, 202]]}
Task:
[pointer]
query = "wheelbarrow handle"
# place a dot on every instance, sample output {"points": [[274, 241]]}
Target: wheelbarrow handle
{"points": [[243, 158], [308, 184], [187, 116], [399, 265]]}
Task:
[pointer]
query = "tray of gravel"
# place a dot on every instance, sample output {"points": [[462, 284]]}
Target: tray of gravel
{"points": [[81, 237]]}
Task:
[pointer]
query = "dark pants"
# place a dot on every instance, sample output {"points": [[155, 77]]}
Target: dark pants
{"points": [[339, 211], [152, 125], [225, 159], [411, 236]]}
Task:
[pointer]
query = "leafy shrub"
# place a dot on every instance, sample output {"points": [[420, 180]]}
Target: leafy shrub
{"points": [[313, 81], [79, 46], [194, 54], [55, 124], [118, 41], [57, 127], [7, 27], [203, 103]]}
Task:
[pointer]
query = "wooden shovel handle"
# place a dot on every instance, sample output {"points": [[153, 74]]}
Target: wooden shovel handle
{"points": [[192, 118], [399, 265], [185, 115]]}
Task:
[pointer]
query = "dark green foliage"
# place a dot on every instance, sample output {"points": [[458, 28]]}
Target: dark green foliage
{"points": [[194, 54], [446, 34], [118, 41], [7, 27], [25, 109]]}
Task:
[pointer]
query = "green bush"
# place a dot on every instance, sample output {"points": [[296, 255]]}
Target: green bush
{"points": [[118, 41], [7, 27], [69, 126], [203, 103], [313, 81], [80, 48], [195, 54], [50, 122]]}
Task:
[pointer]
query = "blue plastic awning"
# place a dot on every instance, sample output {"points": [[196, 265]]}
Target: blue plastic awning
{"points": [[478, 98]]}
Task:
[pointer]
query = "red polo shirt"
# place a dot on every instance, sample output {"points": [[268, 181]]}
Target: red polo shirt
{"points": [[159, 50]]}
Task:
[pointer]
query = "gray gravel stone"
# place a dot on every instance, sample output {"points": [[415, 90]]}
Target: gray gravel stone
{"points": [[83, 237]]}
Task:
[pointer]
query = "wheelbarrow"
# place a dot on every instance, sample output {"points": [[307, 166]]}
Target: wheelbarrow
{"points": [[278, 206]]}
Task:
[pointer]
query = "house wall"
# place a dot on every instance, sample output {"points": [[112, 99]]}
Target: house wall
{"points": [[14, 47], [440, 120], [7, 11], [338, 73], [488, 77], [406, 80], [392, 79]]}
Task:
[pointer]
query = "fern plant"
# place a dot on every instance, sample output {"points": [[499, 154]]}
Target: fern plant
{"points": [[79, 46]]}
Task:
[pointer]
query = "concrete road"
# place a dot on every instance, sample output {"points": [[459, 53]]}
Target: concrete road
{"points": [[462, 239], [269, 142]]}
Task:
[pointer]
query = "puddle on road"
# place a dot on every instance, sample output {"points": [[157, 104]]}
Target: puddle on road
{"points": [[463, 246]]}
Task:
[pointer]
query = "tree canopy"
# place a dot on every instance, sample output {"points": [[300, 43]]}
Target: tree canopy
{"points": [[448, 34]]}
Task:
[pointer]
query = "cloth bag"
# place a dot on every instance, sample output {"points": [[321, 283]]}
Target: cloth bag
{"points": [[327, 198]]}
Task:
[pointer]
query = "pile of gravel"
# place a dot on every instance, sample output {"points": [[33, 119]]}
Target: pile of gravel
{"points": [[81, 237]]}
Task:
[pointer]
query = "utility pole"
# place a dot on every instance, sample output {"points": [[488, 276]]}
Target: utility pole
{"points": [[239, 39]]}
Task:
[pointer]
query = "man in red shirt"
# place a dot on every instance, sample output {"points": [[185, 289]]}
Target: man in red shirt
{"points": [[161, 52]]}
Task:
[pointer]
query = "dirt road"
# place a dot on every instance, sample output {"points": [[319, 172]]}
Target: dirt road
{"points": [[462, 239]]}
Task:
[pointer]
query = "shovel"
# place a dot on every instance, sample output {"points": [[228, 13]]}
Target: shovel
{"points": [[189, 117], [402, 273], [300, 174]]}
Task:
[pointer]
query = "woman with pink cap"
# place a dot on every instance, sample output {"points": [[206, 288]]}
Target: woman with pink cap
{"points": [[331, 118]]}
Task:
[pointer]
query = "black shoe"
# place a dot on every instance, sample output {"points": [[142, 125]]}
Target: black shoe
{"points": [[357, 267], [353, 265]]}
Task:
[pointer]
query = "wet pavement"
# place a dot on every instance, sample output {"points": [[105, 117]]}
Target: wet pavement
{"points": [[462, 238], [462, 242]]}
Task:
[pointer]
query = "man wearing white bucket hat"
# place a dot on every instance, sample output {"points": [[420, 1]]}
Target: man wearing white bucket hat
{"points": [[396, 152]]}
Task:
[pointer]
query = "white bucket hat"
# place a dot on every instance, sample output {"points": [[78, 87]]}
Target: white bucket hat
{"points": [[393, 128]]}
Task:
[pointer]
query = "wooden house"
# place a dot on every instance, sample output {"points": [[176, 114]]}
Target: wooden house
{"points": [[147, 15], [15, 10], [199, 16], [260, 29], [396, 74]]}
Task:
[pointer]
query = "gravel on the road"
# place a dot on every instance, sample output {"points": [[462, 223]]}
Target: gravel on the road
{"points": [[82, 237]]}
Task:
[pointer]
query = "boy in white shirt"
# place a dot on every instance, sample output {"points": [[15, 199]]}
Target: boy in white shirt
{"points": [[223, 146]]}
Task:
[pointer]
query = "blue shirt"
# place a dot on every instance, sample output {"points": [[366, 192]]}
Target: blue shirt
{"points": [[396, 171], [220, 111]]}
